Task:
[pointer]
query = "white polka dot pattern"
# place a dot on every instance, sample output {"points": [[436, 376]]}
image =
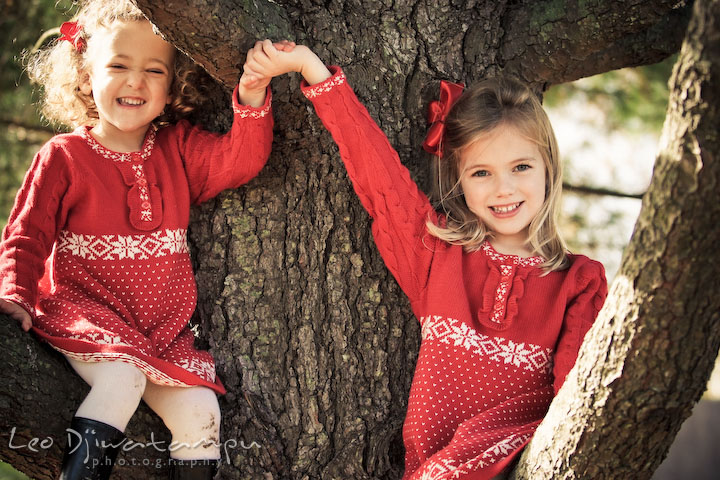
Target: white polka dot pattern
{"points": [[127, 298], [479, 408], [445, 468], [108, 229]]}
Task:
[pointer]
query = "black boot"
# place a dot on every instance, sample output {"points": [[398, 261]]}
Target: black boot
{"points": [[193, 469], [91, 450]]}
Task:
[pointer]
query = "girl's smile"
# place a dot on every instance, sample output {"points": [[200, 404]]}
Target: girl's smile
{"points": [[504, 211], [131, 102], [503, 181]]}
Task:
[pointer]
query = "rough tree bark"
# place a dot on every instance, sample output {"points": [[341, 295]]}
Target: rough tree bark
{"points": [[313, 339]]}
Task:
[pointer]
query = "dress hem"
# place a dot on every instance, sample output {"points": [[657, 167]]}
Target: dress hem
{"points": [[158, 371]]}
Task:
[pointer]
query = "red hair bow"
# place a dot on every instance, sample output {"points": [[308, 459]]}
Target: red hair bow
{"points": [[438, 111], [72, 32]]}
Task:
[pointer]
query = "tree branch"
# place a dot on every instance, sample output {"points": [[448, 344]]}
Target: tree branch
{"points": [[647, 359], [556, 41], [45, 131], [39, 395], [217, 34], [585, 190]]}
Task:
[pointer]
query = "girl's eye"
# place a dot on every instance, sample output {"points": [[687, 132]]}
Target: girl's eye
{"points": [[481, 173], [117, 66], [523, 167], [156, 71]]}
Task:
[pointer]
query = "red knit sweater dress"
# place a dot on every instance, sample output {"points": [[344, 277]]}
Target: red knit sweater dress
{"points": [[498, 338], [119, 283]]}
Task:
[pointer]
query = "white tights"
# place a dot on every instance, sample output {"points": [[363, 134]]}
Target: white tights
{"points": [[192, 414]]}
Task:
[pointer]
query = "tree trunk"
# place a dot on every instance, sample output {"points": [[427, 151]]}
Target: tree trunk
{"points": [[646, 361], [313, 339]]}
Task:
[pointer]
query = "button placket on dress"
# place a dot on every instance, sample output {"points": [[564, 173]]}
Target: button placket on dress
{"points": [[505, 285], [146, 212], [507, 273], [143, 199]]}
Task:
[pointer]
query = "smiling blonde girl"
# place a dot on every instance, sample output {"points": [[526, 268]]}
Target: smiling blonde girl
{"points": [[503, 306]]}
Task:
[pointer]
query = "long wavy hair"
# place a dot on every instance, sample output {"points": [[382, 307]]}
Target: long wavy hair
{"points": [[58, 68], [495, 102]]}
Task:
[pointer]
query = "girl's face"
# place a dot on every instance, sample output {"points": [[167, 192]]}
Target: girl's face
{"points": [[129, 75], [502, 175]]}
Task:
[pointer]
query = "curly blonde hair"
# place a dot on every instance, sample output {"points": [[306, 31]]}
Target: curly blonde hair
{"points": [[58, 69], [481, 109]]}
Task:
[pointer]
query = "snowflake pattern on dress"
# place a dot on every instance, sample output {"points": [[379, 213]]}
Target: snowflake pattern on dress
{"points": [[497, 349], [490, 456], [437, 470], [497, 452], [105, 339], [201, 368], [120, 247]]}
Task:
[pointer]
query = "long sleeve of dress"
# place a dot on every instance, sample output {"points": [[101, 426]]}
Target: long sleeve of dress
{"points": [[33, 226], [398, 208], [579, 317], [216, 162]]}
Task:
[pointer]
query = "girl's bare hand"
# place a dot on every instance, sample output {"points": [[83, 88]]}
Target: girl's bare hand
{"points": [[17, 312]]}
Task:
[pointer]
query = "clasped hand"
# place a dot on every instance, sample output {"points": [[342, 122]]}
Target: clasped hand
{"points": [[267, 60]]}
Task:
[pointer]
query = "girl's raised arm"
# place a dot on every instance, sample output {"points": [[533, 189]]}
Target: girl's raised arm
{"points": [[384, 186], [215, 162]]}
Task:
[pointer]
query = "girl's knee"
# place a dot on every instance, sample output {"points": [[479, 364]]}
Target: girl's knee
{"points": [[198, 411], [193, 417], [205, 410]]}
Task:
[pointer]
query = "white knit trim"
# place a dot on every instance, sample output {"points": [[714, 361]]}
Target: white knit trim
{"points": [[144, 153], [200, 368], [497, 349], [246, 111], [120, 247], [501, 294], [156, 375], [324, 87], [510, 259], [141, 182]]}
